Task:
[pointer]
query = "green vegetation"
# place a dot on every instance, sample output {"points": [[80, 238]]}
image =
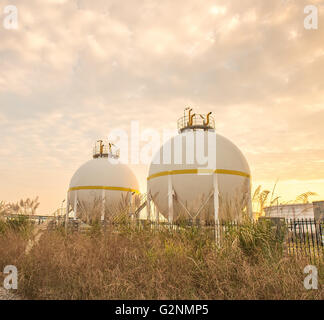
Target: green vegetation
{"points": [[19, 224], [123, 262]]}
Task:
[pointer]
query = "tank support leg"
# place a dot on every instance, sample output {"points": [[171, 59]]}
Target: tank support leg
{"points": [[103, 204], [157, 217], [170, 199], [216, 200], [148, 207], [216, 208], [67, 212], [75, 204]]}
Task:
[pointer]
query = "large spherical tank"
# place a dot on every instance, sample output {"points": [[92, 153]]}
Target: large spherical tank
{"points": [[193, 183], [100, 178]]}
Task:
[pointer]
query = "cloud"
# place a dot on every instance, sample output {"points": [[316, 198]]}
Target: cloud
{"points": [[76, 69]]}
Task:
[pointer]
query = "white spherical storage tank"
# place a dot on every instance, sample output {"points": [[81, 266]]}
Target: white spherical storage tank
{"points": [[199, 174], [102, 187]]}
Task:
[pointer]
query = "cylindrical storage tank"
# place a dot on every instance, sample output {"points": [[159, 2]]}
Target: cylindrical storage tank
{"points": [[102, 188], [192, 184]]}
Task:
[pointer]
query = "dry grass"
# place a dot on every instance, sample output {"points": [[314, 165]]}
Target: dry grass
{"points": [[130, 264], [12, 248]]}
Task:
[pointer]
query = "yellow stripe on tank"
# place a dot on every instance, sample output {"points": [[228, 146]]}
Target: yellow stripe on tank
{"points": [[104, 188], [200, 171]]}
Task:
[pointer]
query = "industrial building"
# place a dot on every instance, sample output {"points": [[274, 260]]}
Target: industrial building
{"points": [[314, 210]]}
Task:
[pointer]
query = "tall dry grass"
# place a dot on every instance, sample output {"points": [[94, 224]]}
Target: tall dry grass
{"points": [[123, 263], [14, 236]]}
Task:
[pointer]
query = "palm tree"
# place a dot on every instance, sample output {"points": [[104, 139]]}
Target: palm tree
{"points": [[303, 198]]}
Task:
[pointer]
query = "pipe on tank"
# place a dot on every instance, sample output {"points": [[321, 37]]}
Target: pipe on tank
{"points": [[191, 119], [184, 112], [189, 115], [208, 116], [100, 147]]}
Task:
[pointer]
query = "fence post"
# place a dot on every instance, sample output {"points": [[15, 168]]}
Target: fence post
{"points": [[170, 198]]}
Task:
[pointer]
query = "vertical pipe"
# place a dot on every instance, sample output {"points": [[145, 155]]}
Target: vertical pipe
{"points": [[319, 238], [156, 215], [304, 237], [148, 207], [309, 235], [75, 206], [316, 237], [130, 211], [216, 200], [292, 237], [67, 212], [216, 207], [296, 236], [170, 198], [103, 204], [312, 223], [288, 240]]}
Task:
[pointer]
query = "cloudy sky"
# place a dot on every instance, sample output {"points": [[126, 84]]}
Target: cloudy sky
{"points": [[74, 70]]}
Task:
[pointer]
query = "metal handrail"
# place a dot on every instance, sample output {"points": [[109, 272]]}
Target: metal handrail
{"points": [[199, 121], [105, 151]]}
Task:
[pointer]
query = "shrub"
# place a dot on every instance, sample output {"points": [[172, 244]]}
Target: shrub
{"points": [[126, 263]]}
